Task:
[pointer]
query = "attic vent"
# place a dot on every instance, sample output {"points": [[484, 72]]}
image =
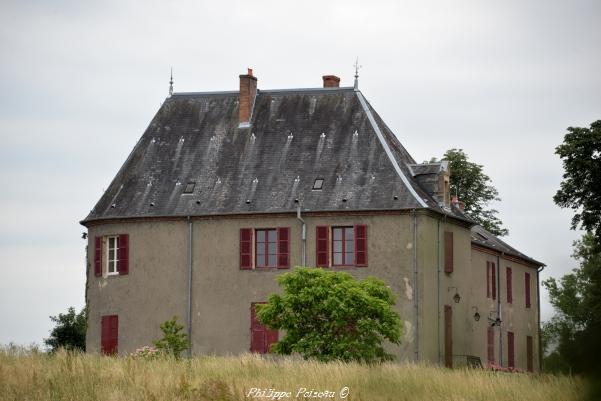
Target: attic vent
{"points": [[355, 133], [482, 237], [189, 187], [323, 135], [318, 184], [290, 136]]}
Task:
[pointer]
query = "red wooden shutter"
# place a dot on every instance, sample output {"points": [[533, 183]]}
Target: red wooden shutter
{"points": [[448, 336], [509, 286], [529, 356], [123, 253], [283, 248], [361, 245], [448, 252], [493, 270], [510, 350], [527, 287], [490, 342], [322, 235], [488, 294], [245, 248], [109, 335], [104, 334], [98, 256]]}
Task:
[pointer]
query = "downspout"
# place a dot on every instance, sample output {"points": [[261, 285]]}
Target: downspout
{"points": [[499, 311], [189, 285], [303, 236], [415, 285], [438, 268], [540, 344]]}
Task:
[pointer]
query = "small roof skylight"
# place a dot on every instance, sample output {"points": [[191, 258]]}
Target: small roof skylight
{"points": [[318, 184], [189, 187]]}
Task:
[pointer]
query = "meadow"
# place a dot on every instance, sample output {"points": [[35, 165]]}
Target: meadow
{"points": [[31, 375]]}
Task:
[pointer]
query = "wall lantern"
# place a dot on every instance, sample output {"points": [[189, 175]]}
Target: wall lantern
{"points": [[494, 321], [456, 297], [476, 315]]}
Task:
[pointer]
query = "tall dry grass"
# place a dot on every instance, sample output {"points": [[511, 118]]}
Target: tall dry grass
{"points": [[80, 377]]}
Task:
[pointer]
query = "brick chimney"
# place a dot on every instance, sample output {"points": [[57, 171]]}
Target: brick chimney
{"points": [[248, 92], [331, 81]]}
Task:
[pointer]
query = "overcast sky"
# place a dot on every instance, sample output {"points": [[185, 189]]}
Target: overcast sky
{"points": [[80, 81]]}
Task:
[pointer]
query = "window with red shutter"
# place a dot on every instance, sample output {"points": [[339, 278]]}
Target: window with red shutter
{"points": [[109, 335], [529, 354], [98, 256], [510, 350], [448, 252], [322, 248], [246, 248], [491, 280], [283, 247], [360, 245], [509, 286], [490, 343], [266, 248], [343, 246], [493, 269], [123, 254], [527, 288]]}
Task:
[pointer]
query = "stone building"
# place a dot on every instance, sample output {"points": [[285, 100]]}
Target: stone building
{"points": [[226, 190]]}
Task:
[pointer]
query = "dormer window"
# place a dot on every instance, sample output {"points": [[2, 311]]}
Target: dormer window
{"points": [[318, 184], [189, 187]]}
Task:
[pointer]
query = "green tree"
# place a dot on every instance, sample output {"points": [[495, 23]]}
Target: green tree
{"points": [[332, 316], [572, 335], [69, 331], [174, 342], [581, 186], [475, 189]]}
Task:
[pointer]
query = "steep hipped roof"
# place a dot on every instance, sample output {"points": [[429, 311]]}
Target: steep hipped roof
{"points": [[295, 137]]}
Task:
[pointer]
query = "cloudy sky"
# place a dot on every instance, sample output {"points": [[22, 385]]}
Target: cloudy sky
{"points": [[80, 81]]}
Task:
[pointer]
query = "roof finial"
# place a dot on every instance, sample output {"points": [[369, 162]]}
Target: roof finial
{"points": [[171, 83], [357, 66]]}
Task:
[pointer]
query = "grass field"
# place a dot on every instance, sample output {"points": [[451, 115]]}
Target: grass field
{"points": [[67, 376]]}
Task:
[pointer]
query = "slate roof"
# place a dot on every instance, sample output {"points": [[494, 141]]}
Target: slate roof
{"points": [[482, 237], [295, 137]]}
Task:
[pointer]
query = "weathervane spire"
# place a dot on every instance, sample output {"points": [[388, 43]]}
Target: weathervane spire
{"points": [[171, 83], [357, 66]]}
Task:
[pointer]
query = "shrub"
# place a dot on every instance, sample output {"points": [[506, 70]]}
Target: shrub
{"points": [[174, 342]]}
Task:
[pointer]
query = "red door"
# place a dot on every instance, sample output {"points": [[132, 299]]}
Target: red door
{"points": [[261, 337]]}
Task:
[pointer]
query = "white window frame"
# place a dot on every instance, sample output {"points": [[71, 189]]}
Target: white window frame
{"points": [[115, 261]]}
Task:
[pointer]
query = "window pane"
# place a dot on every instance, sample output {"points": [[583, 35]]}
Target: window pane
{"points": [[337, 258], [272, 260], [111, 242], [260, 249], [349, 246], [272, 235], [111, 254], [260, 236], [349, 233], [337, 246], [349, 258], [337, 233], [272, 249], [260, 260], [111, 266]]}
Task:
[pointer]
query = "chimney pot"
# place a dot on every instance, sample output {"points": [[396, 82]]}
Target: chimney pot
{"points": [[248, 92], [331, 81]]}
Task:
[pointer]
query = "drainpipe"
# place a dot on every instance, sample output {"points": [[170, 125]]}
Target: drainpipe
{"points": [[439, 271], [304, 237], [540, 344], [499, 310], [415, 285], [190, 285]]}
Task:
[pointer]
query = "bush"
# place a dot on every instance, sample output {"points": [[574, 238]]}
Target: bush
{"points": [[332, 316], [174, 342], [69, 332]]}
